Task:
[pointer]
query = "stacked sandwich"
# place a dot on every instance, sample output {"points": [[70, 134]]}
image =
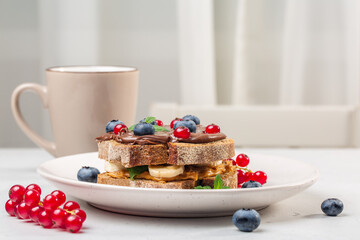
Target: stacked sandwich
{"points": [[183, 155]]}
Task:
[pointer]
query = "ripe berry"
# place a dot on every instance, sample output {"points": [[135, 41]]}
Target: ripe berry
{"points": [[71, 205], [16, 211], [239, 185], [259, 176], [332, 207], [182, 132], [233, 162], [246, 220], [193, 118], [60, 196], [251, 184], [31, 198], [23, 210], [10, 207], [59, 216], [44, 219], [242, 160], [73, 223], [243, 176], [174, 121], [120, 128], [159, 122], [186, 123], [51, 202], [81, 213], [16, 193], [212, 128], [34, 187], [88, 174], [34, 213], [144, 128], [110, 125]]}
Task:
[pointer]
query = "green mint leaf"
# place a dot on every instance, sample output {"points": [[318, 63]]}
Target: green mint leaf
{"points": [[134, 171], [131, 128], [202, 187], [150, 119], [218, 183], [225, 187], [160, 129]]}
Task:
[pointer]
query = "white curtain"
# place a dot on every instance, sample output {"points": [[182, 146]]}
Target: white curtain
{"points": [[285, 52]]}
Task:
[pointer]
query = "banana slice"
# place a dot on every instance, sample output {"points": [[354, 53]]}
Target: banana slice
{"points": [[166, 171], [113, 166]]}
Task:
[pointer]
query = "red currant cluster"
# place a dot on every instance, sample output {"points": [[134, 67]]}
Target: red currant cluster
{"points": [[25, 203], [244, 174]]}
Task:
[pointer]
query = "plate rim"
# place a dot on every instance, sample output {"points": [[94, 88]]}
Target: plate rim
{"points": [[72, 182]]}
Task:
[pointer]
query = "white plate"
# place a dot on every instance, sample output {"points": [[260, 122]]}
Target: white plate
{"points": [[286, 177]]}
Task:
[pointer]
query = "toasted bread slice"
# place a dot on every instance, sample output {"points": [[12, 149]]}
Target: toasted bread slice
{"points": [[229, 179], [173, 153], [133, 155], [189, 153]]}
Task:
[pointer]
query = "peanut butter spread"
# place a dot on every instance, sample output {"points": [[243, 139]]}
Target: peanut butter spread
{"points": [[192, 172]]}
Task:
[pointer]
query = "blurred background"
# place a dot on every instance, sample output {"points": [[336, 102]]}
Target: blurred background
{"points": [[222, 56]]}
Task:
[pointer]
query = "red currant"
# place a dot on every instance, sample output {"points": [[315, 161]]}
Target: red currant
{"points": [[71, 205], [51, 202], [16, 193], [44, 219], [16, 211], [81, 213], [182, 132], [120, 128], [259, 176], [58, 217], [60, 195], [212, 128], [23, 210], [34, 187], [239, 185], [159, 122], [233, 162], [10, 207], [243, 176], [32, 198], [242, 160], [34, 213], [174, 121], [73, 223]]}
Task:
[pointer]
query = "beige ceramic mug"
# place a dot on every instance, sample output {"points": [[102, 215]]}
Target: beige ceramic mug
{"points": [[81, 100]]}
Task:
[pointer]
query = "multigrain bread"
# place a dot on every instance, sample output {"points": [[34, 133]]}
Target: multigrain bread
{"points": [[172, 153], [229, 179]]}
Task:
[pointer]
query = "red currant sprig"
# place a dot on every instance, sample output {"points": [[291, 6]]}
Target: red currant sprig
{"points": [[244, 174], [25, 203]]}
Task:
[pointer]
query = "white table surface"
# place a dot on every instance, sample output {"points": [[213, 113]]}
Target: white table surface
{"points": [[298, 217]]}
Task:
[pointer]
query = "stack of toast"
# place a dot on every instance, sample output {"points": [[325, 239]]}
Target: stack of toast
{"points": [[164, 161]]}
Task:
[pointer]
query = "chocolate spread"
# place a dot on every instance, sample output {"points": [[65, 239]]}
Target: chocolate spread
{"points": [[162, 137]]}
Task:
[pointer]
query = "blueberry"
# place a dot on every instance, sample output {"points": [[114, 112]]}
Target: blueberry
{"points": [[246, 220], [110, 125], [88, 174], [251, 184], [186, 123], [332, 206], [193, 118], [143, 128], [152, 123]]}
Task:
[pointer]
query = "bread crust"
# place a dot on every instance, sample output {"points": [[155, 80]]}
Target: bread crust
{"points": [[173, 153]]}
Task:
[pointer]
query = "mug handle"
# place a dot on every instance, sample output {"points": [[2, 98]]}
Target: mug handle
{"points": [[43, 93]]}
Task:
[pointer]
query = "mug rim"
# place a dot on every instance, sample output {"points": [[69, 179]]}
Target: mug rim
{"points": [[67, 69]]}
